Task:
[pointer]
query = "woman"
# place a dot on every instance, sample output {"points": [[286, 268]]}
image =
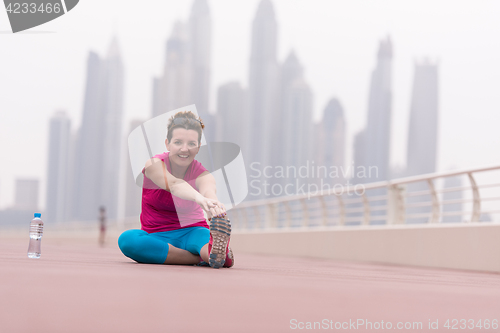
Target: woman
{"points": [[176, 188]]}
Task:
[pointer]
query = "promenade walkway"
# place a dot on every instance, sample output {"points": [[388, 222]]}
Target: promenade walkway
{"points": [[77, 286]]}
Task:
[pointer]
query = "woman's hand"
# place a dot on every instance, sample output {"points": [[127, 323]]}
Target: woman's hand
{"points": [[212, 207], [217, 211]]}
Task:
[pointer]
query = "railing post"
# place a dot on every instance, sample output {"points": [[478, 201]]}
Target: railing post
{"points": [[323, 210], [270, 216], [395, 204], [238, 216], [342, 209], [242, 218], [366, 209], [435, 202], [305, 213], [258, 218], [476, 199], [288, 214], [245, 219], [235, 220]]}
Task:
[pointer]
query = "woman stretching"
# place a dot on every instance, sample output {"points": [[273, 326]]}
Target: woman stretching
{"points": [[176, 188]]}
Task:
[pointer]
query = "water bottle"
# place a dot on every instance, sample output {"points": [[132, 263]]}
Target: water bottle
{"points": [[36, 232]]}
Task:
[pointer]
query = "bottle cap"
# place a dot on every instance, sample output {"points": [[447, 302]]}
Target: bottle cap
{"points": [[38, 215]]}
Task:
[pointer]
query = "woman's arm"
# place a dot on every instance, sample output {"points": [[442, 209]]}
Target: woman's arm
{"points": [[157, 172], [207, 186]]}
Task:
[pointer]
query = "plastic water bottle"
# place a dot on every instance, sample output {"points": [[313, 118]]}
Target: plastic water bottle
{"points": [[36, 232]]}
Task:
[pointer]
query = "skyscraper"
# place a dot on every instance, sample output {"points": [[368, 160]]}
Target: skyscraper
{"points": [[99, 144], [292, 133], [58, 168], [200, 37], [89, 144], [422, 134], [423, 127], [113, 109], [200, 43], [281, 118], [330, 148], [359, 148], [298, 128], [231, 110], [263, 74], [377, 144], [173, 89]]}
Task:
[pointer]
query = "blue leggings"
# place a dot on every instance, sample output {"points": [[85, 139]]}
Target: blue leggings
{"points": [[153, 248]]}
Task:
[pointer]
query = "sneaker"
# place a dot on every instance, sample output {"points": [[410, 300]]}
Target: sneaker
{"points": [[202, 263], [220, 231], [229, 258]]}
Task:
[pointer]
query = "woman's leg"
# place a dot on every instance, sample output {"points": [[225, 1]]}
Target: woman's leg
{"points": [[143, 247], [196, 242], [178, 256], [204, 253], [157, 248], [154, 248]]}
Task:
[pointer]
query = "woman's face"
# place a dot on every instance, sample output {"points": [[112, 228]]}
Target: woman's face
{"points": [[183, 147]]}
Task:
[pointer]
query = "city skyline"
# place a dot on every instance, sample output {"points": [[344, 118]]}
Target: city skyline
{"points": [[6, 189]]}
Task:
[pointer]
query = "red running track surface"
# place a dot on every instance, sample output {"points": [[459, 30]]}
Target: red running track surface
{"points": [[80, 287]]}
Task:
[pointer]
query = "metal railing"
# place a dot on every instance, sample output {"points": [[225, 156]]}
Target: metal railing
{"points": [[408, 200]]}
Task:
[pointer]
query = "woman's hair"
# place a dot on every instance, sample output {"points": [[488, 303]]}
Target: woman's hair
{"points": [[186, 120]]}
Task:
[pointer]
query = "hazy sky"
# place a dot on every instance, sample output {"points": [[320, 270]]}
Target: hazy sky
{"points": [[43, 70]]}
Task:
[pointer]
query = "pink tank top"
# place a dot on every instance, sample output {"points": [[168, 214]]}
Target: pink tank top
{"points": [[162, 211]]}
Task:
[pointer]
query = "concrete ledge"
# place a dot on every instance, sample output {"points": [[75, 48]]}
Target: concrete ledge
{"points": [[458, 246]]}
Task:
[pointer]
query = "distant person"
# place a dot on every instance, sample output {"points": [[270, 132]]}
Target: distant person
{"points": [[102, 225], [176, 190]]}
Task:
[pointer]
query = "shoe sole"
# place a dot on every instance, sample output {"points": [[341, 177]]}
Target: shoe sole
{"points": [[230, 255], [220, 230]]}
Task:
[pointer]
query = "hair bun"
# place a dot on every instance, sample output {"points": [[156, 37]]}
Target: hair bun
{"points": [[185, 114]]}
